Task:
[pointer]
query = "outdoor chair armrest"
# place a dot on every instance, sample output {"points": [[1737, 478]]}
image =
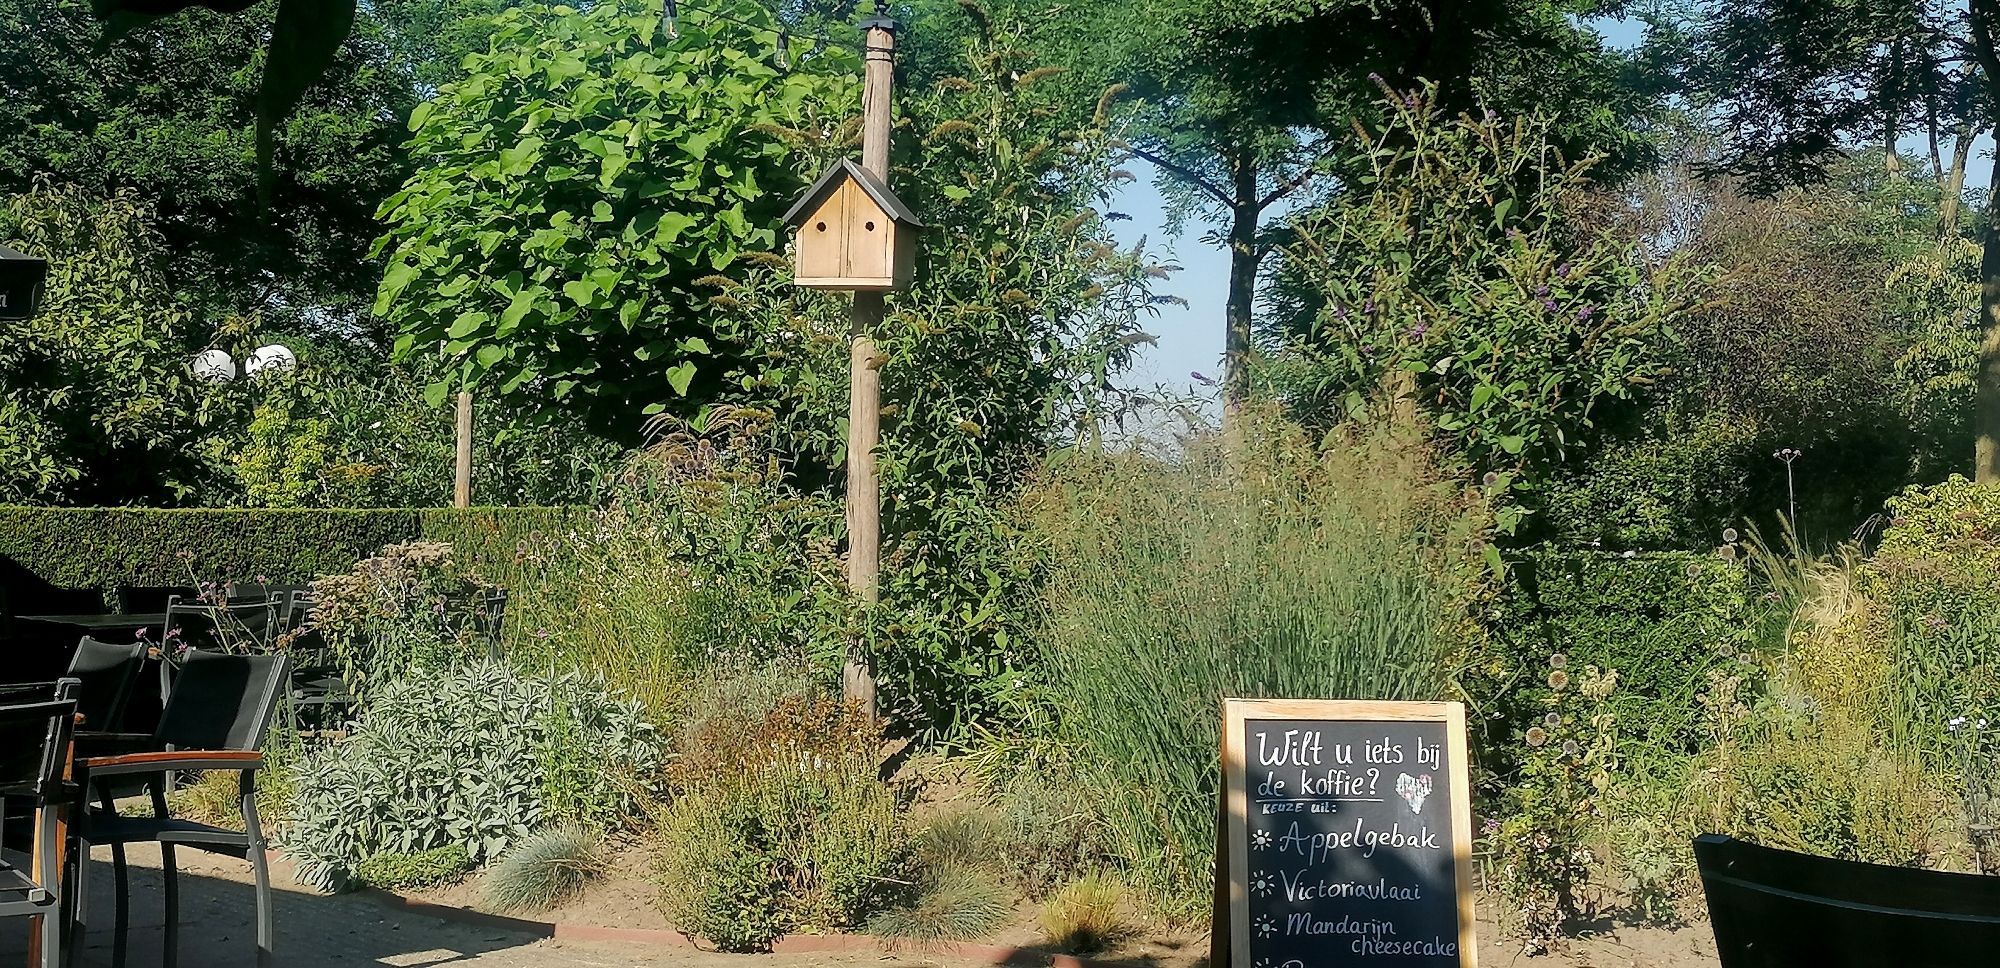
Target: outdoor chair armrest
{"points": [[102, 766]]}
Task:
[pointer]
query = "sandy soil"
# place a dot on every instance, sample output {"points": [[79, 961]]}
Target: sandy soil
{"points": [[624, 899]]}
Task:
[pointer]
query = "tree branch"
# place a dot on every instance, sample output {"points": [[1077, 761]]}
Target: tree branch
{"points": [[1188, 175]]}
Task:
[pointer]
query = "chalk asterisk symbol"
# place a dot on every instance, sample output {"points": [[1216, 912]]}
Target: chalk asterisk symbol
{"points": [[1266, 927], [1262, 884], [1260, 839]]}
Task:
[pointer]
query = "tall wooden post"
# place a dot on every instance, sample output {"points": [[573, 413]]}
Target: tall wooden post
{"points": [[864, 404], [461, 490]]}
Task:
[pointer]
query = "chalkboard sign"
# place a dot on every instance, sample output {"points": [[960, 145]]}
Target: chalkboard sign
{"points": [[21, 278], [1347, 835]]}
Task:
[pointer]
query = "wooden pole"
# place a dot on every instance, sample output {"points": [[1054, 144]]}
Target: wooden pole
{"points": [[864, 405], [461, 490]]}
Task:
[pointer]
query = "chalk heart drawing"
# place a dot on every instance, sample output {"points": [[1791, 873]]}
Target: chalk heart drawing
{"points": [[1414, 790]]}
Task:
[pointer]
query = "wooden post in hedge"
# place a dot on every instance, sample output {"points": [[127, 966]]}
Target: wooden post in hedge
{"points": [[461, 490]]}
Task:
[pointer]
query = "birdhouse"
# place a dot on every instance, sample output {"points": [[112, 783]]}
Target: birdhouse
{"points": [[851, 232]]}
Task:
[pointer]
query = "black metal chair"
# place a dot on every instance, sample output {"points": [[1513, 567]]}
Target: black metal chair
{"points": [[1778, 909], [140, 599], [106, 673], [215, 720], [34, 750], [317, 698]]}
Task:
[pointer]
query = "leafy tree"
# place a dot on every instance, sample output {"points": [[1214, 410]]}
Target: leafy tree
{"points": [[1247, 107], [581, 185], [170, 115], [305, 42], [96, 401], [1838, 326], [1827, 74], [1471, 281]]}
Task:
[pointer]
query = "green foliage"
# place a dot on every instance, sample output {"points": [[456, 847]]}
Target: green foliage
{"points": [[408, 611], [953, 904], [1675, 484], [106, 547], [704, 557], [171, 112], [549, 867], [345, 430], [1935, 574], [456, 757], [1273, 568], [1087, 916], [779, 824], [1555, 801], [423, 868], [1660, 622], [96, 402], [624, 166], [1461, 281], [1021, 315], [954, 887]]}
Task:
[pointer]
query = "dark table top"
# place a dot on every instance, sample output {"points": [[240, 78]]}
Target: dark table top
{"points": [[91, 622]]}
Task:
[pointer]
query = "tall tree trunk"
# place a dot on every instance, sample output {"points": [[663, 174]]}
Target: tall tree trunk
{"points": [[1954, 186], [1243, 259], [1986, 401]]}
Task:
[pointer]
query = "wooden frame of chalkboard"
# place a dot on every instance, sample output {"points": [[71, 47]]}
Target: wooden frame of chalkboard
{"points": [[1233, 859]]}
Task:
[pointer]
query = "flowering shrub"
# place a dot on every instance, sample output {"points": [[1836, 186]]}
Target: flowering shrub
{"points": [[409, 607], [1555, 803], [1460, 280]]}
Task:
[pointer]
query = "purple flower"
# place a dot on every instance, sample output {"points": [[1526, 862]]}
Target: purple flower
{"points": [[1418, 331], [1562, 271], [1542, 292], [1368, 307], [1367, 350], [1550, 305], [1339, 311], [1583, 315]]}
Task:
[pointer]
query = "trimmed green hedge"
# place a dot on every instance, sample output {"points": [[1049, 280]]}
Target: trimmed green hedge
{"points": [[105, 547]]}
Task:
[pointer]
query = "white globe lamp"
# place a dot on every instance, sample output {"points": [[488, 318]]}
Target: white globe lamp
{"points": [[269, 358], [214, 366]]}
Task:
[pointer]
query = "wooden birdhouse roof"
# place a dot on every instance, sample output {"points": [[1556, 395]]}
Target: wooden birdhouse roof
{"points": [[842, 170]]}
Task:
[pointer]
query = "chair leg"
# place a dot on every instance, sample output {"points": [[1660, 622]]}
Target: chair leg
{"points": [[120, 902], [170, 896], [260, 869], [79, 889], [170, 938], [51, 923]]}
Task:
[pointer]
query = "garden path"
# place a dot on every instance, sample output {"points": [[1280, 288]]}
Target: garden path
{"points": [[317, 931]]}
